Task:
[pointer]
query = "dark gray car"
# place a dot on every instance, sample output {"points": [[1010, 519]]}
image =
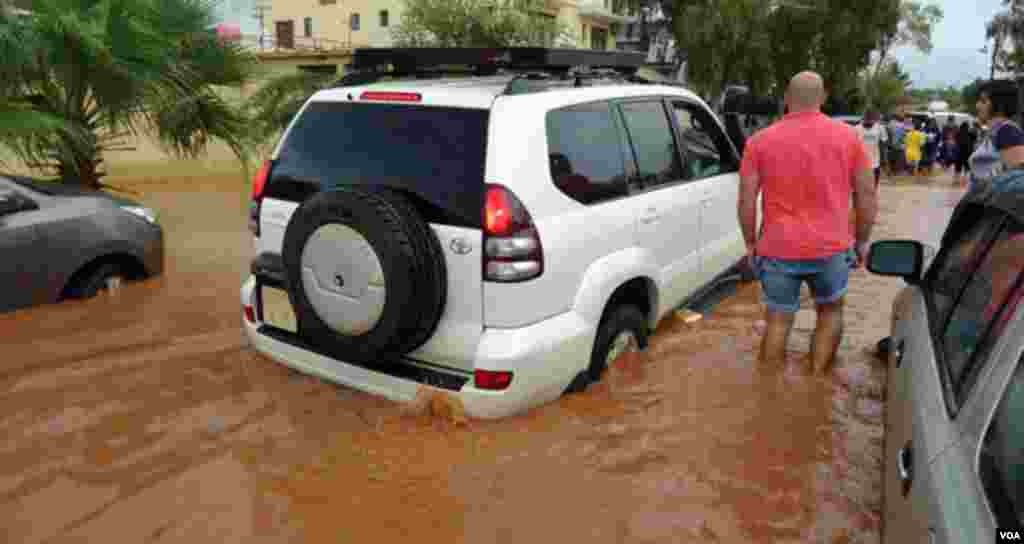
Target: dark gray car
{"points": [[58, 242], [954, 442]]}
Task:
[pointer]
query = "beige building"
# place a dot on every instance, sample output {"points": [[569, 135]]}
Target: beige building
{"points": [[340, 24]]}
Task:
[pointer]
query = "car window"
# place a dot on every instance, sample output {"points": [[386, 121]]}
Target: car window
{"points": [[1002, 455], [654, 148], [585, 153], [705, 146], [436, 153], [953, 267], [984, 307]]}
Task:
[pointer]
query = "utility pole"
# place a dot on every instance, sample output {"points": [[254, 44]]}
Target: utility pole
{"points": [[260, 10]]}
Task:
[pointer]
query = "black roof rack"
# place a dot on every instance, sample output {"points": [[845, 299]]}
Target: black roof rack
{"points": [[372, 63], [511, 58]]}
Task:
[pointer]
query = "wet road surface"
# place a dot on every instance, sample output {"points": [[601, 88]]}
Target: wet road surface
{"points": [[142, 416]]}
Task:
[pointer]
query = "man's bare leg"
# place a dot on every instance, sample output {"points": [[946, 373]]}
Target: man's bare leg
{"points": [[776, 336], [828, 333]]}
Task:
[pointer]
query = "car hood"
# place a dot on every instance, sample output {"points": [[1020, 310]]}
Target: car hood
{"points": [[54, 189]]}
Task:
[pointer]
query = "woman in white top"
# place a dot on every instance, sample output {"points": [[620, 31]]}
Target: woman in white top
{"points": [[1002, 146], [874, 136]]}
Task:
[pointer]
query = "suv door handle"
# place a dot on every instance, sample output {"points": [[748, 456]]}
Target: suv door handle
{"points": [[650, 216], [905, 467], [900, 351]]}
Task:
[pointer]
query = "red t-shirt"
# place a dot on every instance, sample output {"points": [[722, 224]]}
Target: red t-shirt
{"points": [[807, 164]]}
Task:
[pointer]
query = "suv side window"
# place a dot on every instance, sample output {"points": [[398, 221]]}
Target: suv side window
{"points": [[658, 162], [706, 148], [585, 153], [1002, 455], [984, 306]]}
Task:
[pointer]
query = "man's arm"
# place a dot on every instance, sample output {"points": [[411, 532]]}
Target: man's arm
{"points": [[865, 201], [750, 187]]}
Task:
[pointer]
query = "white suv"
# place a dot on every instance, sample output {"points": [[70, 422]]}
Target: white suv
{"points": [[500, 238]]}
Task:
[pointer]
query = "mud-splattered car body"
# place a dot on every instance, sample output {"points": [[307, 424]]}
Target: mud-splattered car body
{"points": [[954, 447], [58, 242]]}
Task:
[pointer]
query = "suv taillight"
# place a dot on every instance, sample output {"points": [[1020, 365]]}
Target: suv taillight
{"points": [[512, 249], [259, 183]]}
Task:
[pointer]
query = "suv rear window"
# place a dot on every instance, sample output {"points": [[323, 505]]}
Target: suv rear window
{"points": [[436, 153]]}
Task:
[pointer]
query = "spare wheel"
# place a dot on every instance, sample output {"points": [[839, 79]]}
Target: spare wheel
{"points": [[366, 274]]}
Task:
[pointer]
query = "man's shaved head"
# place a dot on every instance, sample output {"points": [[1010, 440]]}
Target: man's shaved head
{"points": [[806, 92]]}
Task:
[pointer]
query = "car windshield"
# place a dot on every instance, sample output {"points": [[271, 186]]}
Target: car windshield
{"points": [[436, 153]]}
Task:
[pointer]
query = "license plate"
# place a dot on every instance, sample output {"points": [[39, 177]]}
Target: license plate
{"points": [[277, 309]]}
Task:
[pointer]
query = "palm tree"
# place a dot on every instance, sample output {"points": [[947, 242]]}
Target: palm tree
{"points": [[78, 76]]}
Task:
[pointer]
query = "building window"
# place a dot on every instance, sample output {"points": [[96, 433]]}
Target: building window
{"points": [[599, 38], [354, 21], [383, 17], [307, 27]]}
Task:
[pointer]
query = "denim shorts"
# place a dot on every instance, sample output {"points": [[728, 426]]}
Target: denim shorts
{"points": [[781, 279]]}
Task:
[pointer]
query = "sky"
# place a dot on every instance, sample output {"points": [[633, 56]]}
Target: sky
{"points": [[955, 60]]}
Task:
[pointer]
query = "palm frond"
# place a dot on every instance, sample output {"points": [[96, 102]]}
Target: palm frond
{"points": [[186, 122], [107, 68], [274, 105], [39, 138]]}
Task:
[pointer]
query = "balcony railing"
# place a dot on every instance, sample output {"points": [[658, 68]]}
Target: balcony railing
{"points": [[300, 44]]}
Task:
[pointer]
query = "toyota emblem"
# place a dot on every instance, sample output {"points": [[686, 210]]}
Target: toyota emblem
{"points": [[460, 246]]}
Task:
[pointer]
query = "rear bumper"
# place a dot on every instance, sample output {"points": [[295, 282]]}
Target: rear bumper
{"points": [[544, 358]]}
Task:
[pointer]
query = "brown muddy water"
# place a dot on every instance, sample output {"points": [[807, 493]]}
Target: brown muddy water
{"points": [[142, 416]]}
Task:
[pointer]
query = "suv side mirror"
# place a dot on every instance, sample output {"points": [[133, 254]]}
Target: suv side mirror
{"points": [[11, 202], [903, 258]]}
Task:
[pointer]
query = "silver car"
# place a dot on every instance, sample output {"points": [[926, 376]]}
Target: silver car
{"points": [[58, 242], [954, 441]]}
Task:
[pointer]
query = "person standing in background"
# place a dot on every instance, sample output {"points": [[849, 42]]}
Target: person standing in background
{"points": [[1002, 146], [914, 143], [964, 147], [931, 145], [897, 131], [875, 137]]}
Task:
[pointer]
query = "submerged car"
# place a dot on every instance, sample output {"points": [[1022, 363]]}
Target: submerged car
{"points": [[62, 242], [499, 238], [954, 440]]}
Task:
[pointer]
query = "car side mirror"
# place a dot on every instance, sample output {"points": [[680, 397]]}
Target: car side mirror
{"points": [[902, 258], [11, 202]]}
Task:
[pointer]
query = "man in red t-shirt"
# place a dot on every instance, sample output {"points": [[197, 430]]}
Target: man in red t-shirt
{"points": [[806, 167]]}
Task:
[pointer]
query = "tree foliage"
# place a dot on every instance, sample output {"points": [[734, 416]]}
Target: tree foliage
{"points": [[77, 76], [886, 89], [1006, 30], [764, 43], [479, 23], [274, 105], [969, 96]]}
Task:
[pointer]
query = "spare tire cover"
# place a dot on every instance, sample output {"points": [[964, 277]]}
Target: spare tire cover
{"points": [[365, 274]]}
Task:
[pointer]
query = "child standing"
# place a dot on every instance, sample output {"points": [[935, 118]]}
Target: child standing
{"points": [[915, 140]]}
